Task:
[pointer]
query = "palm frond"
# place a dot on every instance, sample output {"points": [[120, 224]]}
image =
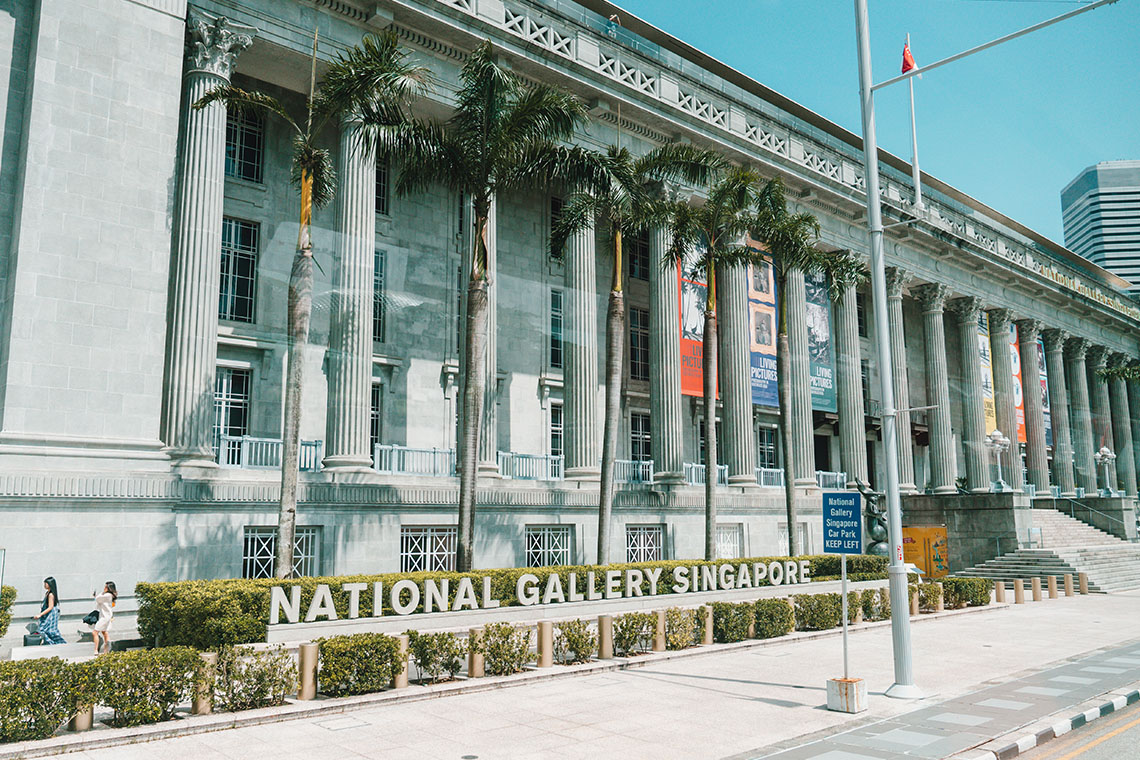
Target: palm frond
{"points": [[578, 213], [317, 163], [372, 80], [242, 101], [678, 162], [540, 114], [426, 153], [542, 163]]}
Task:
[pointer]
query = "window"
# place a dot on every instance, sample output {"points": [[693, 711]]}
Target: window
{"points": [[245, 145], [644, 543], [556, 329], [637, 249], [428, 548], [639, 344], [259, 551], [719, 442], [376, 423], [379, 309], [231, 413], [861, 313], [639, 437], [555, 211], [802, 538], [766, 448], [556, 430], [239, 270], [548, 545], [729, 540], [382, 195], [865, 379]]}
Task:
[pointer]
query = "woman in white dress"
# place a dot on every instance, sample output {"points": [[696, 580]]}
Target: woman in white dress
{"points": [[104, 604]]}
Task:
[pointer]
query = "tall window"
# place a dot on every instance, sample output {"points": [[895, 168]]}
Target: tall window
{"points": [[231, 413], [238, 289], [382, 191], [637, 249], [548, 545], [861, 313], [555, 211], [719, 442], [729, 540], [379, 299], [644, 543], [556, 329], [428, 548], [766, 455], [375, 427], [638, 344], [865, 380], [259, 551], [639, 437], [556, 430], [245, 145]]}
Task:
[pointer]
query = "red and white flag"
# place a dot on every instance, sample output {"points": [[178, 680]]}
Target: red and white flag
{"points": [[908, 59]]}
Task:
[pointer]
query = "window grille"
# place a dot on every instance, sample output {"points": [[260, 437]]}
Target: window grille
{"points": [[428, 548], [861, 313], [766, 448], [548, 545], [644, 543], [729, 540], [556, 430], [376, 421], [231, 412], [803, 538], [238, 289], [636, 248], [382, 186], [379, 296], [639, 437], [639, 344], [259, 552], [556, 329], [245, 145]]}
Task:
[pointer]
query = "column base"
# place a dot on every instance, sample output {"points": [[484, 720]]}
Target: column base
{"points": [[185, 461], [585, 474], [908, 489], [347, 463], [487, 470], [943, 490], [1068, 494], [805, 483], [669, 479], [743, 481]]}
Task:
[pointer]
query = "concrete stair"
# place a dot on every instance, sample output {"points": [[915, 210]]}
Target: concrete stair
{"points": [[1068, 546]]}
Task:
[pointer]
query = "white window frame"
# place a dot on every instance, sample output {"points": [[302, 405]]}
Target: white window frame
{"points": [[729, 540], [640, 435], [245, 130], [428, 548], [556, 430], [548, 545], [556, 349], [259, 551], [233, 254], [227, 400], [644, 543]]}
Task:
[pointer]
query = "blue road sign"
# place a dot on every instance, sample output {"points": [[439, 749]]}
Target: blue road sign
{"points": [[842, 523]]}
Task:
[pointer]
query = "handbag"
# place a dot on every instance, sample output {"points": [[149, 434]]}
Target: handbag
{"points": [[91, 618]]}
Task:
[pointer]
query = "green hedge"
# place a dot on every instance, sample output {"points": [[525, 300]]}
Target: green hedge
{"points": [[731, 621], [36, 697], [818, 612], [360, 663], [145, 685], [7, 599], [774, 617], [247, 680], [963, 592], [210, 614]]}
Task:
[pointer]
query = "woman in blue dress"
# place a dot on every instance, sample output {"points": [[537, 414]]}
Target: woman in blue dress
{"points": [[49, 614]]}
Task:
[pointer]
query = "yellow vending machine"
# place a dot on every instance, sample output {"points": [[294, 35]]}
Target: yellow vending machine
{"points": [[925, 546]]}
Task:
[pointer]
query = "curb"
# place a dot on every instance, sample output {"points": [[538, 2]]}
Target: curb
{"points": [[200, 724], [1050, 727]]}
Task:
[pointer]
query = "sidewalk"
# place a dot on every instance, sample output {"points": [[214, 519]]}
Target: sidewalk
{"points": [[746, 703]]}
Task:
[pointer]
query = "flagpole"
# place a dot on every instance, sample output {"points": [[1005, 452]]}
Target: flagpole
{"points": [[914, 145]]}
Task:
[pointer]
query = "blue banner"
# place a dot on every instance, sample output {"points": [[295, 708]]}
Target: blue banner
{"points": [[821, 356]]}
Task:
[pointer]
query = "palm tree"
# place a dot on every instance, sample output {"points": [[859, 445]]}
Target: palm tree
{"points": [[504, 134], [374, 82], [625, 204], [790, 242]]}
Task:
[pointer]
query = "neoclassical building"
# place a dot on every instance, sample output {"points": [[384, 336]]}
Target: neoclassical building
{"points": [[147, 249]]}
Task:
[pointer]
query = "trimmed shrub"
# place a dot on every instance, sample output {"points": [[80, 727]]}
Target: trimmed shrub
{"points": [[731, 621], [7, 599], [681, 628], [774, 617], [506, 649], [145, 685], [872, 565], [817, 612], [928, 596], [963, 592], [360, 663], [633, 632], [876, 603], [437, 653], [247, 680], [574, 642], [36, 697]]}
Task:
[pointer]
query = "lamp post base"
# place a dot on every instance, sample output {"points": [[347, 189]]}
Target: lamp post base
{"points": [[905, 691]]}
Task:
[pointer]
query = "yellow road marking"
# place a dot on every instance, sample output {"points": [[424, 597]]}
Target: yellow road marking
{"points": [[1099, 739]]}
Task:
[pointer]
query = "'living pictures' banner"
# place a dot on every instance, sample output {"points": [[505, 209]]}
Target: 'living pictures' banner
{"points": [[693, 294], [762, 333], [1045, 407], [821, 356], [1018, 394]]}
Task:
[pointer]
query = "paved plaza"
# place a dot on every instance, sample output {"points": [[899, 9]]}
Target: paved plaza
{"points": [[744, 704]]}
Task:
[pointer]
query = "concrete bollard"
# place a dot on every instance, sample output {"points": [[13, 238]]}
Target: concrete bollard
{"points": [[475, 667], [1018, 591], [1069, 584], [400, 680], [1052, 579], [659, 633], [858, 614], [914, 603], [1035, 583], [999, 592], [84, 717], [605, 637], [940, 603], [1083, 582], [203, 702], [708, 637], [307, 656], [545, 644]]}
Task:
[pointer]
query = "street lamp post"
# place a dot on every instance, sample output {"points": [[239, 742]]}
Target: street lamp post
{"points": [[998, 443], [1104, 457]]}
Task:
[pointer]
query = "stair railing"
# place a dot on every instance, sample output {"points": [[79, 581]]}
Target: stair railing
{"points": [[1105, 515]]}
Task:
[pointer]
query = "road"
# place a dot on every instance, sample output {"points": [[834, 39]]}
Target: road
{"points": [[1114, 737]]}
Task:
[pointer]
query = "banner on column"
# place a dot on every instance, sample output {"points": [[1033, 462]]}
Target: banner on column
{"points": [[987, 372], [693, 294], [1045, 408], [821, 356], [762, 333], [1018, 395]]}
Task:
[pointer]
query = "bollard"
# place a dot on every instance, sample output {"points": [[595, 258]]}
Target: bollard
{"points": [[605, 637], [475, 653], [1083, 582], [1052, 579], [858, 614], [914, 603], [545, 644], [999, 592], [84, 717], [708, 637], [1036, 585], [1068, 584], [400, 680], [659, 634], [307, 657], [203, 702], [940, 603], [1018, 591]]}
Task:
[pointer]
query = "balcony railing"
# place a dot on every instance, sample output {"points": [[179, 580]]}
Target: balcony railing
{"points": [[405, 460], [695, 474], [827, 479], [249, 453], [771, 477], [530, 466], [633, 471]]}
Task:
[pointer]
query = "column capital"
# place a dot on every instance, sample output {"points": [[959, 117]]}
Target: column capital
{"points": [[967, 309], [932, 296], [1118, 359], [1054, 339], [896, 278], [1000, 319], [1028, 330], [1078, 348], [214, 42], [1098, 356]]}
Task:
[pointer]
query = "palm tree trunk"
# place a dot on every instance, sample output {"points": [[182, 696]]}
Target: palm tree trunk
{"points": [[300, 311], [474, 386], [709, 359], [783, 372], [615, 345]]}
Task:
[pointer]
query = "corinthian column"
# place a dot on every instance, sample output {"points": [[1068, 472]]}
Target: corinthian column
{"points": [[799, 416], [1101, 423], [212, 46], [665, 416], [943, 462], [348, 414], [1134, 408], [580, 341], [1122, 429], [1083, 463], [849, 387], [1004, 404], [736, 376], [1059, 411], [1036, 458], [489, 432], [966, 312], [896, 278]]}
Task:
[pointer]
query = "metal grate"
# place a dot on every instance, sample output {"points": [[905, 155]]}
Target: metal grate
{"points": [[231, 413], [729, 540], [644, 543], [259, 551], [238, 289], [548, 545], [428, 548], [245, 145]]}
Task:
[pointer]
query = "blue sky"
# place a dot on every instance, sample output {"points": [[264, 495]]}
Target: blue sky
{"points": [[1010, 126]]}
